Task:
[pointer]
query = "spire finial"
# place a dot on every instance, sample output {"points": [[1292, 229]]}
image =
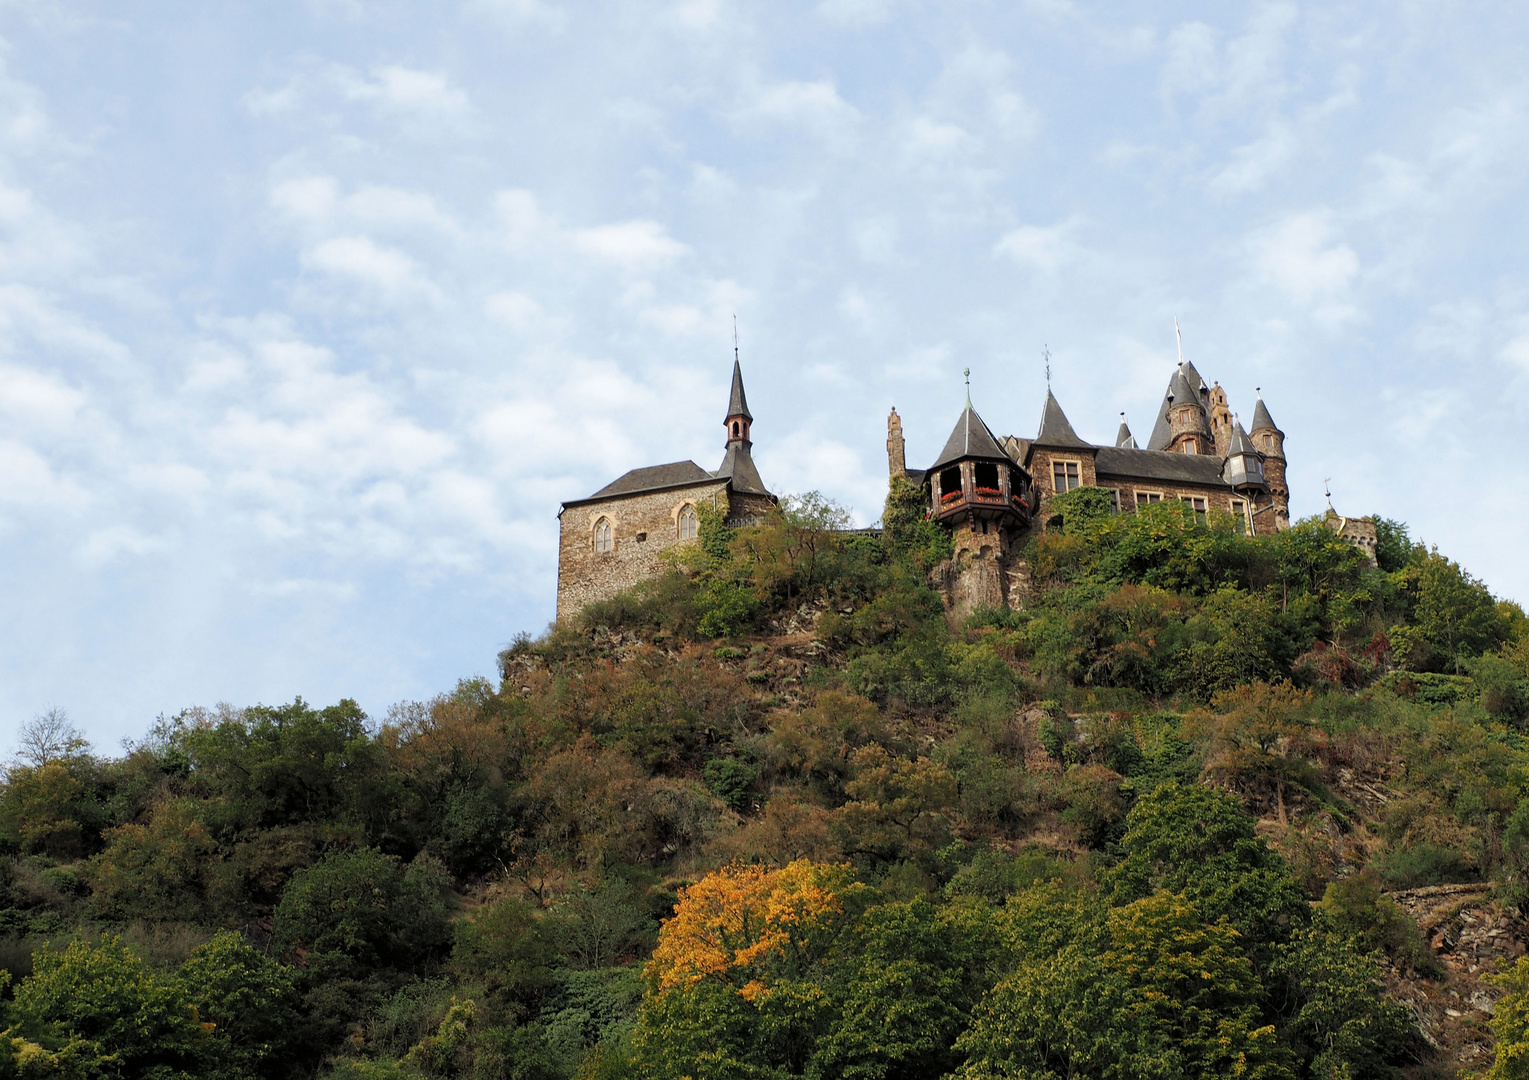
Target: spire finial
{"points": [[967, 373], [1180, 335], [1327, 489], [735, 337], [1046, 353]]}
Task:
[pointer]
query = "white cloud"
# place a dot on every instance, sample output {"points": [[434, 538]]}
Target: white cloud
{"points": [[34, 399], [308, 198], [631, 245], [424, 93], [857, 13], [514, 309], [1304, 258], [815, 107], [363, 259], [1517, 352], [1046, 248]]}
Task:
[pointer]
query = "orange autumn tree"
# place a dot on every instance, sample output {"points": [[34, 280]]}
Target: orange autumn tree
{"points": [[747, 925]]}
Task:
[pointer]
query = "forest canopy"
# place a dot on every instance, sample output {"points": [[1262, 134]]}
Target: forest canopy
{"points": [[774, 814]]}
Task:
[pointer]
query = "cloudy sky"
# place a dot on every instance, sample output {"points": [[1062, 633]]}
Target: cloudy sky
{"points": [[312, 313]]}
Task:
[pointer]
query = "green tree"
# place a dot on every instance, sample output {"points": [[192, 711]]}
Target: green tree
{"points": [[250, 998], [1170, 996], [357, 911], [103, 1013], [1196, 841], [1455, 611], [1510, 1023]]}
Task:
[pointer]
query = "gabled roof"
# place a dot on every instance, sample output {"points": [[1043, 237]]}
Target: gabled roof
{"points": [[970, 438], [1159, 465], [1262, 421], [676, 474], [738, 467], [737, 403], [1055, 430]]}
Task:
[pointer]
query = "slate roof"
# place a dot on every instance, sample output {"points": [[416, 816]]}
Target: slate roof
{"points": [[1159, 465], [1160, 431], [738, 467], [1123, 438], [653, 478], [1055, 430], [737, 403], [1262, 421], [970, 438], [1240, 444]]}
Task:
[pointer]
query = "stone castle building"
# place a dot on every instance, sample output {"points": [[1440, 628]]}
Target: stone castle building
{"points": [[614, 538], [988, 492]]}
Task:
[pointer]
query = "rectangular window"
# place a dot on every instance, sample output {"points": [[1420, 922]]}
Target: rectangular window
{"points": [[1240, 514], [1196, 504], [1115, 499], [1064, 476], [1145, 497]]}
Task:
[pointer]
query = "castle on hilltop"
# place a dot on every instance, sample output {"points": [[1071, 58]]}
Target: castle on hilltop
{"points": [[987, 492], [613, 539]]}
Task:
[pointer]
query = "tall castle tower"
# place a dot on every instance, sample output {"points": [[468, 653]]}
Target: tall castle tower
{"points": [[1269, 441], [1188, 425]]}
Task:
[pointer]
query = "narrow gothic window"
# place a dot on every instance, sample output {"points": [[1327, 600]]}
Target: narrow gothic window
{"points": [[737, 429], [690, 525], [603, 535], [1190, 447]]}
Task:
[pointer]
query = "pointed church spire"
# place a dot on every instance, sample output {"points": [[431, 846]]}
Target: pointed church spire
{"points": [[1124, 440], [737, 403], [738, 463]]}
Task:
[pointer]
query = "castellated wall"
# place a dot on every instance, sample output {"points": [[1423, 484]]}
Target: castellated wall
{"points": [[642, 526]]}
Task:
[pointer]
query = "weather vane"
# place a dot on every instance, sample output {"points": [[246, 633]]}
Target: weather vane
{"points": [[1046, 352], [1180, 335], [735, 336]]}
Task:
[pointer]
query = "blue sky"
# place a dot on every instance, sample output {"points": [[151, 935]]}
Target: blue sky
{"points": [[312, 313]]}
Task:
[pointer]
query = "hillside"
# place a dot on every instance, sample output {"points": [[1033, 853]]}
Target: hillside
{"points": [[1208, 805]]}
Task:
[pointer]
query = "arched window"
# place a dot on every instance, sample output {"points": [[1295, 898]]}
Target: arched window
{"points": [[737, 429], [690, 525], [603, 535]]}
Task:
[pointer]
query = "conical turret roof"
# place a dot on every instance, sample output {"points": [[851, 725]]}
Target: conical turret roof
{"points": [[737, 403], [1055, 429], [1180, 390], [1124, 440], [1161, 432], [1262, 421], [970, 438]]}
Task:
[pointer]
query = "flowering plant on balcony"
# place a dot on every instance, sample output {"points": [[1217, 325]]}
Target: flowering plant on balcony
{"points": [[950, 496], [989, 493]]}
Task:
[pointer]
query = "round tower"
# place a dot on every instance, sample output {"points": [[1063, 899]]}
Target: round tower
{"points": [[1188, 426], [1269, 441]]}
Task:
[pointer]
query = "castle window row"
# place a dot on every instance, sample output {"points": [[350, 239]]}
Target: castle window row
{"points": [[687, 525]]}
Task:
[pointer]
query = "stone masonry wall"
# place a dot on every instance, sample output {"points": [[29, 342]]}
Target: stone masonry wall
{"points": [[642, 526]]}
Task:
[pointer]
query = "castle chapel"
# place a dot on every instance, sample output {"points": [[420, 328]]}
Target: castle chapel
{"points": [[986, 491], [613, 539]]}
